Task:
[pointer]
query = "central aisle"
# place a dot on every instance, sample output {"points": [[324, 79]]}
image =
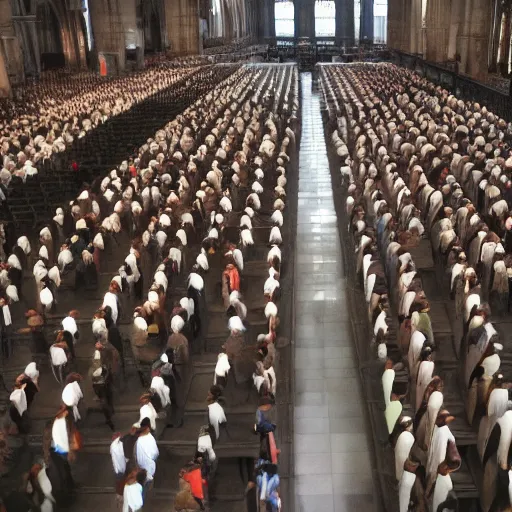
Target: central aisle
{"points": [[332, 461]]}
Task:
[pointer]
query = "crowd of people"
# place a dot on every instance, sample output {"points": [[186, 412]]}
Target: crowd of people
{"points": [[205, 182], [419, 165], [49, 115]]}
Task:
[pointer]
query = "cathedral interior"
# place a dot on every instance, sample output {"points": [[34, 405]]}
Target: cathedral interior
{"points": [[254, 255]]}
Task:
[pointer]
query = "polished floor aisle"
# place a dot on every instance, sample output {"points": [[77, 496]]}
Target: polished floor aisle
{"points": [[332, 460]]}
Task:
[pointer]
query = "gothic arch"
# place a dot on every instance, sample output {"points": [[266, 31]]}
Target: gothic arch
{"points": [[49, 29], [152, 16]]}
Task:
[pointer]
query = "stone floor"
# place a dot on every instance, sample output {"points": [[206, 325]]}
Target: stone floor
{"points": [[332, 454]]}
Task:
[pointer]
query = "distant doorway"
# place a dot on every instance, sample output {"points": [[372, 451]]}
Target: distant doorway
{"points": [[49, 37]]}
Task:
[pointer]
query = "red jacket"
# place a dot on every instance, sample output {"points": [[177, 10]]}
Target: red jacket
{"points": [[195, 480]]}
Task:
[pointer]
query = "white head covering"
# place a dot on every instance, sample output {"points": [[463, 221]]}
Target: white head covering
{"points": [[19, 400], [71, 395], [236, 324], [31, 371], [159, 387]]}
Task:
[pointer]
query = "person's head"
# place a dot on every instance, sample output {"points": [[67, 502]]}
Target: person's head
{"points": [[214, 393], [145, 424], [145, 398]]}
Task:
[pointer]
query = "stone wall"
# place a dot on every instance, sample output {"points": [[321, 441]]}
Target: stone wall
{"points": [[456, 33]]}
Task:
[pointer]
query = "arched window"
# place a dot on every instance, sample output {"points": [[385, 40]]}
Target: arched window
{"points": [[87, 18], [380, 21], [285, 19], [325, 18]]}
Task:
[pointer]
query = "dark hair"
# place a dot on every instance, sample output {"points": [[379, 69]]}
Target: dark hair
{"points": [[142, 474], [145, 423]]}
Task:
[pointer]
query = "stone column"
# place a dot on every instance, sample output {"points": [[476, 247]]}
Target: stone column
{"points": [[504, 42], [437, 30], [345, 29], [77, 38], [395, 24], [183, 26], [5, 85], [494, 44], [463, 39], [305, 18], [405, 24], [366, 30], [107, 28], [267, 19], [416, 38], [479, 40], [10, 47], [455, 23]]}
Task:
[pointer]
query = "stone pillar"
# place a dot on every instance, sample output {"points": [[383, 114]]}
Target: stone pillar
{"points": [[479, 39], [183, 26], [437, 30], [404, 25], [78, 39], [416, 38], [463, 39], [267, 19], [455, 23], [504, 43], [345, 29], [366, 30], [10, 48], [5, 85], [395, 24], [305, 18], [107, 28], [494, 44]]}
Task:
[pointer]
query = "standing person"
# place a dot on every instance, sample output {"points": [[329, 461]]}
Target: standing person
{"points": [[146, 453], [148, 410], [70, 326], [119, 465], [5, 328], [251, 497], [115, 339], [178, 343], [206, 452], [192, 474], [18, 407], [184, 500], [35, 326], [72, 394], [133, 492], [129, 441], [30, 377], [196, 293], [102, 386], [65, 441], [216, 414]]}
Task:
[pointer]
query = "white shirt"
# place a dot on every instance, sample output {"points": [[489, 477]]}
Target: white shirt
{"points": [[159, 387], [147, 453], [148, 411], [216, 416], [132, 498], [60, 435], [117, 454], [204, 444]]}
